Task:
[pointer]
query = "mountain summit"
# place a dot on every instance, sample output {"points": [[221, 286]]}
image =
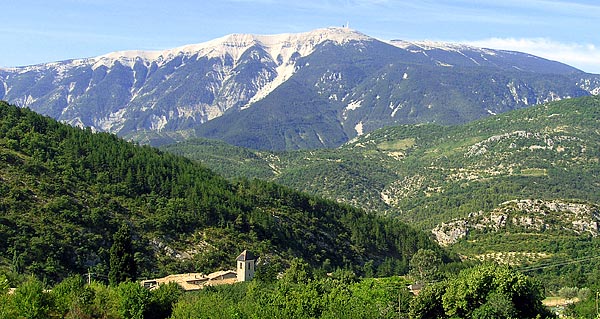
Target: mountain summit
{"points": [[288, 91]]}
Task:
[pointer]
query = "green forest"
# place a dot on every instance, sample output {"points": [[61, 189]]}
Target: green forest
{"points": [[433, 176], [65, 192], [432, 172]]}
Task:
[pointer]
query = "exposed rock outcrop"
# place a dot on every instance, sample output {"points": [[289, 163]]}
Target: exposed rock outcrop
{"points": [[524, 215]]}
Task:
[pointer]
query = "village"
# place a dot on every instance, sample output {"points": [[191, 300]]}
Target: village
{"points": [[245, 268]]}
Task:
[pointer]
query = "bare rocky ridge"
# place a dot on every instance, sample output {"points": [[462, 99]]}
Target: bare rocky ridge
{"points": [[524, 215]]}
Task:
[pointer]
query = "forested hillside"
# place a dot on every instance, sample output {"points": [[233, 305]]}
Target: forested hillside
{"points": [[521, 187], [64, 192], [422, 173]]}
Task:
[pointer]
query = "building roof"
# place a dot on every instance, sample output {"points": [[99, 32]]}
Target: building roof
{"points": [[245, 255], [189, 281], [221, 273], [194, 281]]}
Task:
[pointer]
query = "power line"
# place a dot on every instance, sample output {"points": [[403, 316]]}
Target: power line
{"points": [[574, 261], [90, 275]]}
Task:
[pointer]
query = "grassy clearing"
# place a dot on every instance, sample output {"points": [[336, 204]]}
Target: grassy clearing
{"points": [[399, 145], [558, 301], [534, 172]]}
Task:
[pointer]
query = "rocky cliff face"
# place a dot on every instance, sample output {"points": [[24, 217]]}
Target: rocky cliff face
{"points": [[524, 216]]}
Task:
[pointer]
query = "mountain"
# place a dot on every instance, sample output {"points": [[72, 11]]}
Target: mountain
{"points": [[64, 192], [486, 188], [291, 91]]}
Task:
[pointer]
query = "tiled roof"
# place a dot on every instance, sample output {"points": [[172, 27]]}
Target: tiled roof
{"points": [[221, 273], [194, 281]]}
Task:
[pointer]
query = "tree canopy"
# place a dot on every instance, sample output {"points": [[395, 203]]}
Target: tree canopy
{"points": [[65, 192], [485, 291]]}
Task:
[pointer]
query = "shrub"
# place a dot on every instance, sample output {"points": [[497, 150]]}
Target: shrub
{"points": [[568, 292]]}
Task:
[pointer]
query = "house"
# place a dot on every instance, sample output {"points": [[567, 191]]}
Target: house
{"points": [[222, 277], [189, 281], [415, 288], [196, 281]]}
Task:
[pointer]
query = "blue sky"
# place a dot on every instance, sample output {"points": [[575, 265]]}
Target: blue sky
{"points": [[35, 31]]}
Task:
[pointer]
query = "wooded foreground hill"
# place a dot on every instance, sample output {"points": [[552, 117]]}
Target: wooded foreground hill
{"points": [[64, 192]]}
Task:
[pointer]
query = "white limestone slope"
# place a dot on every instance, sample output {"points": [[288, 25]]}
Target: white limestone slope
{"points": [[283, 46], [284, 49], [437, 45]]}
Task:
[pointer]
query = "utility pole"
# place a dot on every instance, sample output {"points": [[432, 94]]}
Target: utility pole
{"points": [[400, 314], [399, 304], [597, 314]]}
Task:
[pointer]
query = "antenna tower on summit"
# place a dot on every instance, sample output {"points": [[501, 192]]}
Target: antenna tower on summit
{"points": [[347, 25]]}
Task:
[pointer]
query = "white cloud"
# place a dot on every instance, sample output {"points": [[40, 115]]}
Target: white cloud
{"points": [[582, 56]]}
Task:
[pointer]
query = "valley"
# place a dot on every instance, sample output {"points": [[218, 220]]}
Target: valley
{"points": [[519, 188]]}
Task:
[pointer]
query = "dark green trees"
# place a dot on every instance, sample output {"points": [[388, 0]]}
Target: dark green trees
{"points": [[122, 263], [424, 265], [65, 191], [486, 291]]}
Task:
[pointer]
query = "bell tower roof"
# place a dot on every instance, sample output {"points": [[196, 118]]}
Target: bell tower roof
{"points": [[245, 256]]}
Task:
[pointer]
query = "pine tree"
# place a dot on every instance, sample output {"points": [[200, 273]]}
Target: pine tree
{"points": [[122, 263]]}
